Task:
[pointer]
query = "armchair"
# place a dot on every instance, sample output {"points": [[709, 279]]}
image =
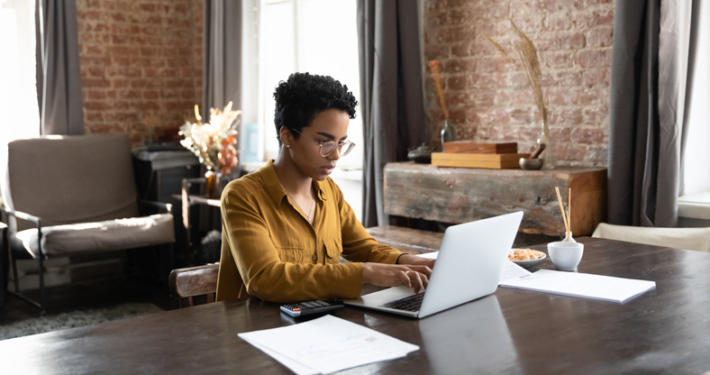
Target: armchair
{"points": [[74, 195]]}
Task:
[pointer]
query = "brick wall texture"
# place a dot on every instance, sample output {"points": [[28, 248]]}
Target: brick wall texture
{"points": [[139, 57], [488, 96]]}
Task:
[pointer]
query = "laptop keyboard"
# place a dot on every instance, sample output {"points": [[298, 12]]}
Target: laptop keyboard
{"points": [[410, 303]]}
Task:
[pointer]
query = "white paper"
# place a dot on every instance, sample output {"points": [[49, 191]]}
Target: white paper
{"points": [[329, 344], [512, 271], [294, 366], [429, 255], [605, 288]]}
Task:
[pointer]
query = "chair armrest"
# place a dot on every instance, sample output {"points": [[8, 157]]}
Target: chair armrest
{"points": [[168, 207], [21, 215]]}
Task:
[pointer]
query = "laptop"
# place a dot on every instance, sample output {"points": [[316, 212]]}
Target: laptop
{"points": [[468, 267]]}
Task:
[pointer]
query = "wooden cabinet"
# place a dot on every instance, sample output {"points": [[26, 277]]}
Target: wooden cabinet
{"points": [[458, 195]]}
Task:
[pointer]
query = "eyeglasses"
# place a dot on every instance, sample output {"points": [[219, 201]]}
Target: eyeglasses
{"points": [[327, 147]]}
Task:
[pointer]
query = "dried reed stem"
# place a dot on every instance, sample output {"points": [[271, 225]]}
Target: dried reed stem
{"points": [[434, 65], [562, 209], [528, 57]]}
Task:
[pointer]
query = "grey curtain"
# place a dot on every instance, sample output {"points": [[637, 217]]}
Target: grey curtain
{"points": [[650, 71], [391, 103], [61, 104], [222, 57]]}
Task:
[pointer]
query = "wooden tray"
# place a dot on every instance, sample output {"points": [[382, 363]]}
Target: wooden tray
{"points": [[493, 161], [471, 147]]}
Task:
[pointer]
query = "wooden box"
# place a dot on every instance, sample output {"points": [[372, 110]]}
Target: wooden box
{"points": [[492, 161], [471, 147]]}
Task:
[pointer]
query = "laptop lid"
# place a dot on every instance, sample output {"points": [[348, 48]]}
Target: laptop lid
{"points": [[468, 267], [470, 262]]}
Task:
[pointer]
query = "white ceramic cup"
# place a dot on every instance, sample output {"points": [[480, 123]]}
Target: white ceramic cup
{"points": [[565, 255]]}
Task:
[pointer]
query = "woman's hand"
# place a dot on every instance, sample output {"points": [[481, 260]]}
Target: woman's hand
{"points": [[412, 276]]}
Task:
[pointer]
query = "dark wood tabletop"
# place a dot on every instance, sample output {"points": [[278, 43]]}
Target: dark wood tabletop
{"points": [[666, 330]]}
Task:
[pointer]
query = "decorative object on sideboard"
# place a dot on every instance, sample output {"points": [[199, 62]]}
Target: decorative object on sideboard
{"points": [[448, 133], [151, 123], [472, 154], [213, 144], [528, 57], [533, 163], [421, 154]]}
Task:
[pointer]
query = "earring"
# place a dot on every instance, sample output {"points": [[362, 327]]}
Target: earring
{"points": [[288, 146]]}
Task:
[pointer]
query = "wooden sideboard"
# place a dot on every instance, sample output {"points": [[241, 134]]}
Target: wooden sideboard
{"points": [[458, 195]]}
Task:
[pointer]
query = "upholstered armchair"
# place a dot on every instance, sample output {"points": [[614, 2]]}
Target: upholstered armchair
{"points": [[71, 195]]}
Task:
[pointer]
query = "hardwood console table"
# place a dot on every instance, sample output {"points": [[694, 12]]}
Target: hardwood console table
{"points": [[458, 195]]}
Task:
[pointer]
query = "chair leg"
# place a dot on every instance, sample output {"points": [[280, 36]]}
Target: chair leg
{"points": [[41, 283], [15, 279], [171, 258]]}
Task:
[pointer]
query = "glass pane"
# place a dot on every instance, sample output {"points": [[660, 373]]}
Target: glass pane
{"points": [[18, 89], [697, 152]]}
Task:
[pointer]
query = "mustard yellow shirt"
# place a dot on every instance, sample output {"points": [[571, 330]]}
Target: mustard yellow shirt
{"points": [[280, 256]]}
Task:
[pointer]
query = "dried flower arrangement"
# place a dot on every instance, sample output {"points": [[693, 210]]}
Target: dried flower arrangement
{"points": [[213, 142], [528, 57]]}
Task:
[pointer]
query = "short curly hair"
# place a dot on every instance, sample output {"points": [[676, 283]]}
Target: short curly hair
{"points": [[304, 95]]}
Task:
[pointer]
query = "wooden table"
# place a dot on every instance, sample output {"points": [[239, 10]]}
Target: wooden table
{"points": [[666, 330], [459, 195]]}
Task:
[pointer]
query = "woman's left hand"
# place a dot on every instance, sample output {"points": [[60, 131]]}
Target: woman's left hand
{"points": [[416, 261]]}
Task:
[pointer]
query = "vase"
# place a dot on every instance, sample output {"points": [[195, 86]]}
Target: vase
{"points": [[448, 133], [213, 186], [548, 155]]}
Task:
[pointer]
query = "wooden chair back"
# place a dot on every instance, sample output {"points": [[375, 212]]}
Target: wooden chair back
{"points": [[194, 281]]}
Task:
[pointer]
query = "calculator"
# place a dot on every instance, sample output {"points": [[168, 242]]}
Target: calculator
{"points": [[310, 308]]}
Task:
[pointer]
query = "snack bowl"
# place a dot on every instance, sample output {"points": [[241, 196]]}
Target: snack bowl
{"points": [[528, 263]]}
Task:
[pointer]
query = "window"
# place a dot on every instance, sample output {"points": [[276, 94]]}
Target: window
{"points": [[695, 202], [315, 36], [18, 88], [286, 36]]}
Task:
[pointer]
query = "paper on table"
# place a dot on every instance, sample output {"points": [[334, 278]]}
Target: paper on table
{"points": [[513, 271], [329, 344], [429, 255], [294, 366], [605, 288]]}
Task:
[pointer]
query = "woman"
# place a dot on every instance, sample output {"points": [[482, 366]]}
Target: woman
{"points": [[285, 226]]}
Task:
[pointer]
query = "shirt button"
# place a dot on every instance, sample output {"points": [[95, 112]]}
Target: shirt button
{"points": [[256, 288], [314, 258]]}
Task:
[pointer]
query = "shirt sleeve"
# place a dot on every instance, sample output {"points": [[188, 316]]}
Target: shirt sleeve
{"points": [[358, 244], [264, 274]]}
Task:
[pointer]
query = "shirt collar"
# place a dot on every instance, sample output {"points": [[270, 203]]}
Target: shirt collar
{"points": [[277, 191]]}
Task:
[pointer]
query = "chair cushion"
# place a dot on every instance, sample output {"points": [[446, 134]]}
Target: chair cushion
{"points": [[71, 179], [108, 235], [677, 238]]}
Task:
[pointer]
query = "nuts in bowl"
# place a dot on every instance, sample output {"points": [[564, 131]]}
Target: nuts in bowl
{"points": [[526, 257]]}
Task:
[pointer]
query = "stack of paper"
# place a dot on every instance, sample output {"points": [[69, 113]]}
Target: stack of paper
{"points": [[583, 285], [326, 345]]}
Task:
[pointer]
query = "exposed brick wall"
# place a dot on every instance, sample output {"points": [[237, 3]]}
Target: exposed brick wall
{"points": [[138, 57], [489, 97]]}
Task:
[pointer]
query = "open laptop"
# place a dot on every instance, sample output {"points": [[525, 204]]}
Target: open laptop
{"points": [[468, 267]]}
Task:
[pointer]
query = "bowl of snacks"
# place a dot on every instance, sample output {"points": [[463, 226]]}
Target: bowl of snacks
{"points": [[526, 257]]}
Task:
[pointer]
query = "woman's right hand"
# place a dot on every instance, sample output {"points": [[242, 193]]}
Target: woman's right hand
{"points": [[379, 274]]}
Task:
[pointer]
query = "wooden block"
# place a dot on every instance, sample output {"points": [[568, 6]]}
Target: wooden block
{"points": [[492, 161], [459, 195], [471, 147]]}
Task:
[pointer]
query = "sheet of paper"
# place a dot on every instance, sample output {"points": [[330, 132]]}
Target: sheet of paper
{"points": [[512, 271], [429, 255], [294, 366], [583, 285], [329, 344]]}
